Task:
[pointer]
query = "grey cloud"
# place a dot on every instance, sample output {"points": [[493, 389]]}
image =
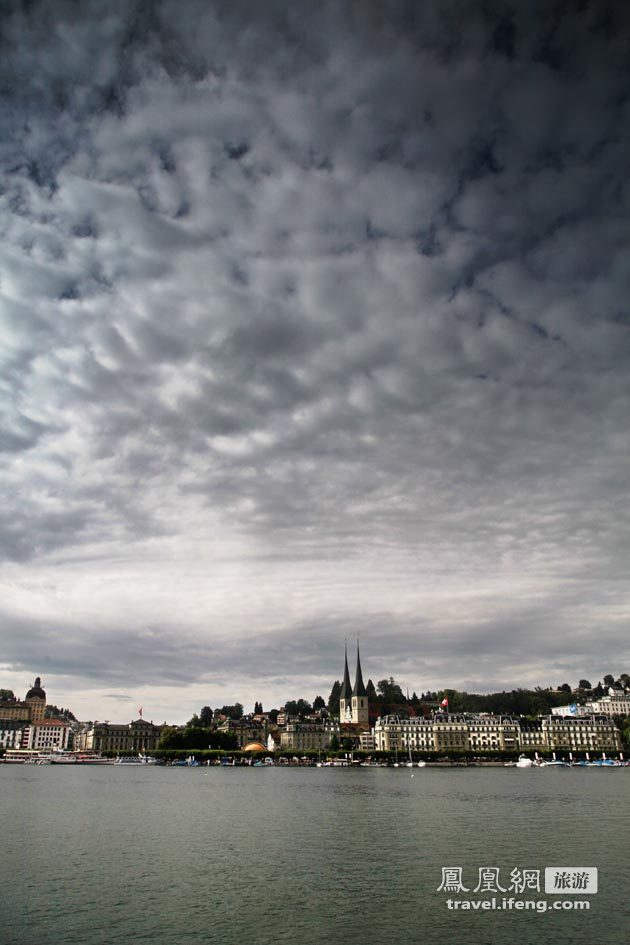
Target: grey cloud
{"points": [[354, 279]]}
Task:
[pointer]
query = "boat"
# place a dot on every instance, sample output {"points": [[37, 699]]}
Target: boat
{"points": [[524, 762], [60, 758], [135, 760]]}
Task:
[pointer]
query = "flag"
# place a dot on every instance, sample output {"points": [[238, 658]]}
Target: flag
{"points": [[140, 711], [444, 703]]}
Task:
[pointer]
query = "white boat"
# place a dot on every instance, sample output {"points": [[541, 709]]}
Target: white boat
{"points": [[524, 762], [135, 760], [60, 758]]}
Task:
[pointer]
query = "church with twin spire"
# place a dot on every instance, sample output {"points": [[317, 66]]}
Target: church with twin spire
{"points": [[353, 700]]}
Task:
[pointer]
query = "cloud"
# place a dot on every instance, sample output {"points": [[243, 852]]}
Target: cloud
{"points": [[326, 301]]}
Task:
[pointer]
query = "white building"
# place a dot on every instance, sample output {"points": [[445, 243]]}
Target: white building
{"points": [[47, 735], [304, 736], [617, 702], [486, 733]]}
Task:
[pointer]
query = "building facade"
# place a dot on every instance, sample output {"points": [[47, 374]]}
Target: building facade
{"points": [[32, 709], [305, 736], [48, 734], [245, 730], [486, 733], [133, 738]]}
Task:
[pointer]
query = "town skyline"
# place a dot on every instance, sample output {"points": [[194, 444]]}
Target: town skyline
{"points": [[182, 716], [315, 324]]}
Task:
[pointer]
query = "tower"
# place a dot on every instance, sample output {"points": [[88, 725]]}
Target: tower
{"points": [[36, 701], [353, 702], [345, 696], [360, 708]]}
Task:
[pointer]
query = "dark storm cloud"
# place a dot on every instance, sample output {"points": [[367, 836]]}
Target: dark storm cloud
{"points": [[335, 282]]}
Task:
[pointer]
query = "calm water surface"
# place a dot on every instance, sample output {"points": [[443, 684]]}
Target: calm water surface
{"points": [[312, 856]]}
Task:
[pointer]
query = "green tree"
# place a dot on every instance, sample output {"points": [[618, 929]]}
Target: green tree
{"points": [[390, 691], [318, 703], [565, 687], [6, 695], [258, 709], [189, 739], [231, 711], [333, 698], [205, 716], [334, 743], [609, 680], [371, 691], [53, 712], [584, 684]]}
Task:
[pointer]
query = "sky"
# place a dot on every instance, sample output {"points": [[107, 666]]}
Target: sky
{"points": [[315, 326]]}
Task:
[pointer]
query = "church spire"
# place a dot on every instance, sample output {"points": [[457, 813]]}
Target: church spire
{"points": [[346, 688], [359, 688]]}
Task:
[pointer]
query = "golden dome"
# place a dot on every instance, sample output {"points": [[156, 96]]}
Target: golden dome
{"points": [[254, 746]]}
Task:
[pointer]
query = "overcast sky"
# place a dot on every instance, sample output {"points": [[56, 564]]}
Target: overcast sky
{"points": [[315, 324]]}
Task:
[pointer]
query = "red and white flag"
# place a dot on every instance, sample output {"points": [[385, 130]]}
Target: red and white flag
{"points": [[444, 703]]}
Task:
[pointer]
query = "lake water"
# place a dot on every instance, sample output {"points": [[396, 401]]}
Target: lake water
{"points": [[311, 856]]}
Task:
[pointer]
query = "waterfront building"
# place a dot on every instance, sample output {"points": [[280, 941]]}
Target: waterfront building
{"points": [[592, 733], [367, 741], [48, 734], [305, 736], [132, 738], [531, 735], [245, 730], [486, 733], [492, 733], [12, 732]]}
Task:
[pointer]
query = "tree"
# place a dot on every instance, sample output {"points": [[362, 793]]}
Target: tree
{"points": [[299, 707], [195, 722], [190, 738], [231, 711], [258, 709], [205, 716], [390, 691], [6, 695], [565, 687], [52, 712], [584, 684], [609, 680], [334, 743], [333, 698], [272, 715], [318, 703], [371, 691]]}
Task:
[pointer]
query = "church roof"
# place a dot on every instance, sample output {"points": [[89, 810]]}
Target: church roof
{"points": [[36, 692], [346, 688], [359, 688]]}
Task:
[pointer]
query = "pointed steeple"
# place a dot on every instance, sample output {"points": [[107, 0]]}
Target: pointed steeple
{"points": [[346, 688], [359, 688]]}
